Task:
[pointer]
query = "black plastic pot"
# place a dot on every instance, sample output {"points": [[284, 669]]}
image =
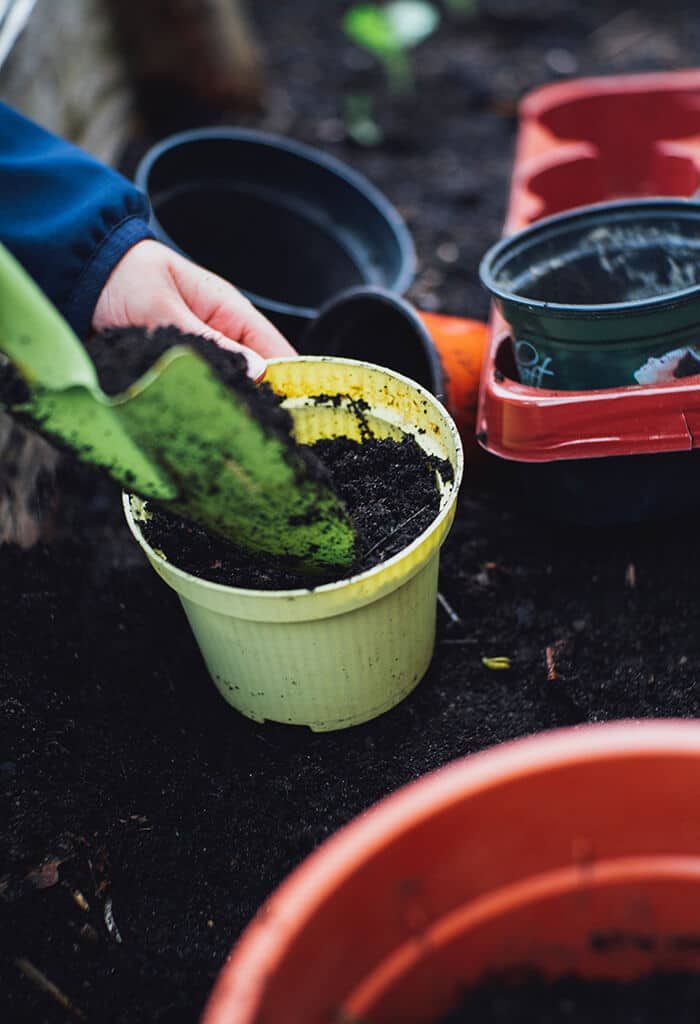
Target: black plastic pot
{"points": [[373, 324], [290, 226]]}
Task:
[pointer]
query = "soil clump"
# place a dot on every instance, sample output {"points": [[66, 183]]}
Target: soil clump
{"points": [[121, 356]]}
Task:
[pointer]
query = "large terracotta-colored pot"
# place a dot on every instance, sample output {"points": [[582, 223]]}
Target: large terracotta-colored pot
{"points": [[577, 850]]}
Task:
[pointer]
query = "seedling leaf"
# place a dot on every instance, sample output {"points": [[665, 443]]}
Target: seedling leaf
{"points": [[389, 32], [411, 21], [369, 27]]}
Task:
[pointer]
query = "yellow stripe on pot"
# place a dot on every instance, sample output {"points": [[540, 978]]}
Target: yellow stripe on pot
{"points": [[345, 652]]}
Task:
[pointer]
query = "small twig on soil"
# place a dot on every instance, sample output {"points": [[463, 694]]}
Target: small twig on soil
{"points": [[551, 664], [396, 529], [110, 922], [458, 641], [39, 979], [448, 609], [631, 576]]}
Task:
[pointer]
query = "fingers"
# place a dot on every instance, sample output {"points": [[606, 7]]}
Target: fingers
{"points": [[260, 334], [153, 286], [222, 307], [190, 324]]}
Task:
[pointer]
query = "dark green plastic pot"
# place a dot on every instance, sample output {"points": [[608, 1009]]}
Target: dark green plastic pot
{"points": [[603, 296]]}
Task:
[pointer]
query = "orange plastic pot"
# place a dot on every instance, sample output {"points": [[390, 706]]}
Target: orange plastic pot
{"points": [[577, 850], [461, 345]]}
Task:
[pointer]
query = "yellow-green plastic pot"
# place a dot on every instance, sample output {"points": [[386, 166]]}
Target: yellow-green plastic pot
{"points": [[345, 652]]}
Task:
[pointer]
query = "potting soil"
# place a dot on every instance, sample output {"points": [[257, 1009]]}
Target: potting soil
{"points": [[143, 821], [388, 487], [667, 998]]}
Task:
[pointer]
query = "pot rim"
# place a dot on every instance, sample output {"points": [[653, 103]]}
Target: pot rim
{"points": [[335, 167], [621, 210], [171, 569], [385, 296], [284, 914]]}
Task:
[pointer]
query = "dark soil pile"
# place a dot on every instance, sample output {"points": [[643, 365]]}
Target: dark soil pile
{"points": [[122, 356], [388, 488], [143, 822], [671, 998]]}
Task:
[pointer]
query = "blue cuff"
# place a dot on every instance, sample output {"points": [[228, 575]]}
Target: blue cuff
{"points": [[80, 306]]}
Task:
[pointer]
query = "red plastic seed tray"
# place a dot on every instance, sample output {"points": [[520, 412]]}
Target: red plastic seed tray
{"points": [[580, 142]]}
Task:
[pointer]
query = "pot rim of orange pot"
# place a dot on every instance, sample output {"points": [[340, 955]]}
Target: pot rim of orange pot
{"points": [[284, 914]]}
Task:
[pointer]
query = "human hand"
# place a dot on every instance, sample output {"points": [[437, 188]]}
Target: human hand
{"points": [[152, 286]]}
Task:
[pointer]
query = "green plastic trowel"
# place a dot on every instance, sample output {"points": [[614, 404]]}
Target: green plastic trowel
{"points": [[176, 436]]}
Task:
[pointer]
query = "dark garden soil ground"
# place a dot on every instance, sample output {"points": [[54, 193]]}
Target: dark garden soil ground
{"points": [[142, 822]]}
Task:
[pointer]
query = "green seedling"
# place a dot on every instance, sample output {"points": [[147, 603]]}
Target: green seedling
{"points": [[177, 436], [360, 124], [389, 32]]}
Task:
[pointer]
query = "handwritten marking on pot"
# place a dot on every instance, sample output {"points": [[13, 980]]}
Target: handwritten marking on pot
{"points": [[532, 367], [496, 664]]}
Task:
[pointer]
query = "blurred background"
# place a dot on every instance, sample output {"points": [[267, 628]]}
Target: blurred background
{"points": [[436, 133]]}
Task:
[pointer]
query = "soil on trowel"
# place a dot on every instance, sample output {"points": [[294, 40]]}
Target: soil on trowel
{"points": [[388, 487], [122, 356], [671, 998]]}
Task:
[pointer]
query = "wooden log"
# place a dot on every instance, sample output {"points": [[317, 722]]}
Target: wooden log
{"points": [[204, 49], [27, 497]]}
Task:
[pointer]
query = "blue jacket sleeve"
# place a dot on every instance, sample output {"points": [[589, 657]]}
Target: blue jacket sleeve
{"points": [[65, 216]]}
